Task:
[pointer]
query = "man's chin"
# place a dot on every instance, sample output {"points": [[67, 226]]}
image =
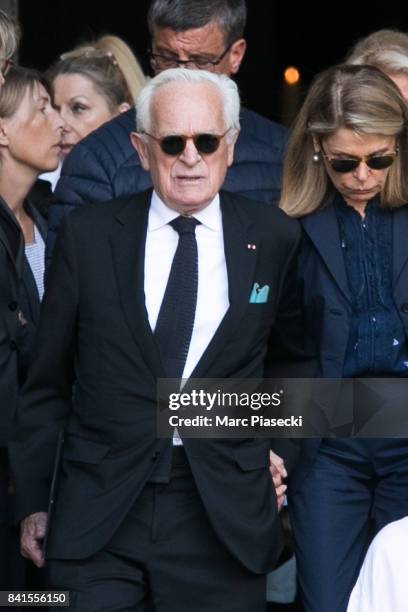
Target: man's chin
{"points": [[190, 209], [189, 206]]}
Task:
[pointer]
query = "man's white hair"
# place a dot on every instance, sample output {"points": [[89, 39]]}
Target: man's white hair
{"points": [[226, 87]]}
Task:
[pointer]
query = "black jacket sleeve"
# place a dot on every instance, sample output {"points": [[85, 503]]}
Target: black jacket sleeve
{"points": [[45, 402]]}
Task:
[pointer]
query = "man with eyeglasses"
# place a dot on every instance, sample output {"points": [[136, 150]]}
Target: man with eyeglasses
{"points": [[174, 524], [194, 34]]}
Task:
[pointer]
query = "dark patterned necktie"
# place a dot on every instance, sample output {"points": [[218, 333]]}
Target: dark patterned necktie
{"points": [[175, 322]]}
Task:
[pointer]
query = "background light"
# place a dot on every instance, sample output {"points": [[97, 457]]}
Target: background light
{"points": [[291, 75]]}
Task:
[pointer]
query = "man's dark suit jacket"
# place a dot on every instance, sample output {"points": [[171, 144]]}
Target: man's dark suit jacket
{"points": [[328, 303], [95, 330]]}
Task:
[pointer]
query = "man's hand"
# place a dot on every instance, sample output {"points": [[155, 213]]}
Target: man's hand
{"points": [[278, 473], [32, 533]]}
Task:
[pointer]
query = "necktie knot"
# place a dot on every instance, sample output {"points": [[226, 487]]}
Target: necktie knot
{"points": [[184, 225]]}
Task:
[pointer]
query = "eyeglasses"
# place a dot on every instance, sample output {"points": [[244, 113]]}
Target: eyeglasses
{"points": [[5, 65], [375, 162], [161, 61], [174, 145]]}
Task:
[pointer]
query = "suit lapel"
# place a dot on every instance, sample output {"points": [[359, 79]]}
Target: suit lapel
{"points": [[128, 240], [5, 243], [400, 235], [240, 260], [37, 217], [27, 276], [11, 233], [322, 228]]}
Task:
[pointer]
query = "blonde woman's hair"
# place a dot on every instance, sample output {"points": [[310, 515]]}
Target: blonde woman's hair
{"points": [[127, 62], [385, 49], [362, 99], [109, 64], [9, 35]]}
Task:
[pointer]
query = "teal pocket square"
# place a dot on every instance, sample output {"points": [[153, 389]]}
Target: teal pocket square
{"points": [[259, 295]]}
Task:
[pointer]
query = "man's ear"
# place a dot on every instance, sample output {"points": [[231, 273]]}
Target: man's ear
{"points": [[231, 145], [236, 55], [139, 143]]}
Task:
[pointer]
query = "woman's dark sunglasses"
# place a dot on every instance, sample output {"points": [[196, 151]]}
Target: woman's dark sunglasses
{"points": [[375, 162], [175, 144]]}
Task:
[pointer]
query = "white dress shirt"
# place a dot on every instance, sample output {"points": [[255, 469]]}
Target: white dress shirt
{"points": [[382, 585], [212, 293], [35, 253]]}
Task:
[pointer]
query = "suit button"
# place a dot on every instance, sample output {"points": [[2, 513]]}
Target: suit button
{"points": [[13, 306], [13, 345], [404, 307], [156, 456]]}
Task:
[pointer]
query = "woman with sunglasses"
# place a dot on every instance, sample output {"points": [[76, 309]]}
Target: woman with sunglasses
{"points": [[345, 178]]}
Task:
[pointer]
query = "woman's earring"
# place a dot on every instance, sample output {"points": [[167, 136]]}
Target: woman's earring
{"points": [[316, 157]]}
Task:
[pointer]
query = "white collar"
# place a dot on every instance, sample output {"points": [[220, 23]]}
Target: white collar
{"points": [[161, 215]]}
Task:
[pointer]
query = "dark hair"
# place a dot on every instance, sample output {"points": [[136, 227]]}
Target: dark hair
{"points": [[182, 15], [12, 92]]}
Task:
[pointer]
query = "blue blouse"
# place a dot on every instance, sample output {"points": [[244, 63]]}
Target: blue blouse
{"points": [[377, 343]]}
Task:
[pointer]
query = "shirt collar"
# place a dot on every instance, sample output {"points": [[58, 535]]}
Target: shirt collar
{"points": [[372, 205], [161, 215]]}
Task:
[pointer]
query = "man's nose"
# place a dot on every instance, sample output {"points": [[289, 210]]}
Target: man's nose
{"points": [[190, 155], [188, 64]]}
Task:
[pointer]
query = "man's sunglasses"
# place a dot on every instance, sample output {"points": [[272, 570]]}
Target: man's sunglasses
{"points": [[375, 162], [174, 145]]}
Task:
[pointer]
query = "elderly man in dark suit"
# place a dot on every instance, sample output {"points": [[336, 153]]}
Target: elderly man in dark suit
{"points": [[145, 287], [194, 34]]}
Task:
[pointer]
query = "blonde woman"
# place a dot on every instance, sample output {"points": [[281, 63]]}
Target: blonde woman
{"points": [[92, 84], [345, 179], [9, 39], [387, 50]]}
